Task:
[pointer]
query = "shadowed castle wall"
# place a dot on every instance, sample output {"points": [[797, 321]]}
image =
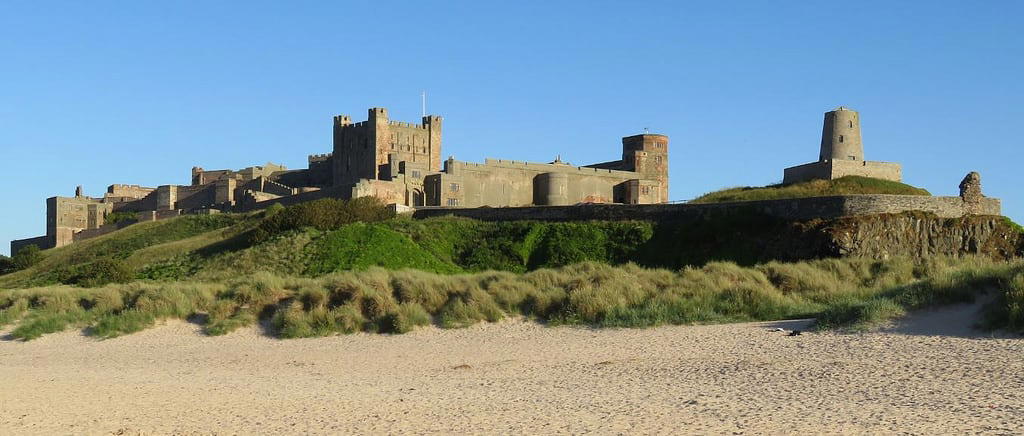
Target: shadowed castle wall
{"points": [[796, 209]]}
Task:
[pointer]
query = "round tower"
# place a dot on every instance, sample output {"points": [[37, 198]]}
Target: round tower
{"points": [[840, 136]]}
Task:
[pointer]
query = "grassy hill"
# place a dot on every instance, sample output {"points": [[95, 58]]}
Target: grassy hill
{"points": [[330, 267], [814, 188]]}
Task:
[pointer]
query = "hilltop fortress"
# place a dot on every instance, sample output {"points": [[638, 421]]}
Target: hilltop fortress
{"points": [[400, 163]]}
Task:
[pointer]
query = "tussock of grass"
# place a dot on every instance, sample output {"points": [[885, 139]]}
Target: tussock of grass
{"points": [[841, 293], [815, 188]]}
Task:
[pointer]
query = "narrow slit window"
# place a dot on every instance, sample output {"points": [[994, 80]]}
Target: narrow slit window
{"points": [[840, 138]]}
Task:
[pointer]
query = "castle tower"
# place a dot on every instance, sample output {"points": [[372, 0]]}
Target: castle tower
{"points": [[840, 136], [647, 154]]}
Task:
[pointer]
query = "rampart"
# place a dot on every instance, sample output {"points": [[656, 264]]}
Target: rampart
{"points": [[794, 209]]}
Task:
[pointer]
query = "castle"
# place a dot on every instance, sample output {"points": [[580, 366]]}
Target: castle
{"points": [[398, 162]]}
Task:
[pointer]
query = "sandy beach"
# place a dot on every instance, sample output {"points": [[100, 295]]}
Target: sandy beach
{"points": [[517, 377]]}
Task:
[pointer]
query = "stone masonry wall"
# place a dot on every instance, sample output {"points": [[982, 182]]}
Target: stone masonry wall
{"points": [[914, 235], [878, 170], [796, 209]]}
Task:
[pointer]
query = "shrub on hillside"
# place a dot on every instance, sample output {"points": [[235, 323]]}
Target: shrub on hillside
{"points": [[273, 209], [6, 265], [98, 273], [26, 257], [519, 246], [116, 217], [359, 246], [323, 214]]}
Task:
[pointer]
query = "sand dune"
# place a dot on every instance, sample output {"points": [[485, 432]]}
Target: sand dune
{"points": [[514, 377]]}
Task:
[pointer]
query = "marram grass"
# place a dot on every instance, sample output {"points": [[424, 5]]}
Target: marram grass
{"points": [[840, 293]]}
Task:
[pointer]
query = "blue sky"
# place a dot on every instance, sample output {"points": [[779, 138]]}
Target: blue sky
{"points": [[96, 93]]}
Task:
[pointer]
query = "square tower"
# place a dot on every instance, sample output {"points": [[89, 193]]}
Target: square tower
{"points": [[365, 150]]}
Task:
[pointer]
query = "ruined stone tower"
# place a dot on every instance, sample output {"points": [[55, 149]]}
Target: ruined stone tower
{"points": [[840, 136], [842, 153]]}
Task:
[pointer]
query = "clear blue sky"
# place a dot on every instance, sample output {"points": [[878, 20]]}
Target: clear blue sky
{"points": [[95, 93]]}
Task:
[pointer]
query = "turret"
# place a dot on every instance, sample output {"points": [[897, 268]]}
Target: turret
{"points": [[647, 154], [840, 136]]}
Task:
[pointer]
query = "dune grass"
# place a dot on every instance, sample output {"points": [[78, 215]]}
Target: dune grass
{"points": [[841, 293], [815, 188]]}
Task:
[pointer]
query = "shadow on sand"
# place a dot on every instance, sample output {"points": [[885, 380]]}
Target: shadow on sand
{"points": [[958, 320]]}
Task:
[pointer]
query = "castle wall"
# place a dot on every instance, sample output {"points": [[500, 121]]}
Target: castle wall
{"points": [[204, 177], [126, 192], [43, 242], [840, 168], [147, 203], [806, 172], [878, 170], [195, 197], [797, 209], [102, 230], [501, 183]]}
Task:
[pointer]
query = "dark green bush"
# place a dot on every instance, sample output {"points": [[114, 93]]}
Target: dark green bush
{"points": [[324, 214], [116, 217], [359, 246], [98, 273], [27, 256], [6, 265]]}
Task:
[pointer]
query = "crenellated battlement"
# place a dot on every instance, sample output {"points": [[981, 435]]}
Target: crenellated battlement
{"points": [[117, 186], [320, 158], [404, 124]]}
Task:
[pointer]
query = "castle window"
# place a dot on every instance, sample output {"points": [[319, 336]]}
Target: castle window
{"points": [[657, 159], [851, 124], [455, 187], [453, 201], [645, 190], [840, 138], [415, 174]]}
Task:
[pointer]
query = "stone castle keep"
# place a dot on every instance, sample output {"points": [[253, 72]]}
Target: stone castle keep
{"points": [[400, 163]]}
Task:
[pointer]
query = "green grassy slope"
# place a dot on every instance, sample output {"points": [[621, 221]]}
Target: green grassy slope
{"points": [[394, 274], [815, 188], [136, 245]]}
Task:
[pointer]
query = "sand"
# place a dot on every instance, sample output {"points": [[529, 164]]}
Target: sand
{"points": [[516, 377]]}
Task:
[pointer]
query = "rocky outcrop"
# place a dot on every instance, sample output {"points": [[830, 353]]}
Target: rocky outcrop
{"points": [[922, 235]]}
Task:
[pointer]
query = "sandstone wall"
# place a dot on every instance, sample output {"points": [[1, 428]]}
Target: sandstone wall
{"points": [[878, 170], [835, 169]]}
